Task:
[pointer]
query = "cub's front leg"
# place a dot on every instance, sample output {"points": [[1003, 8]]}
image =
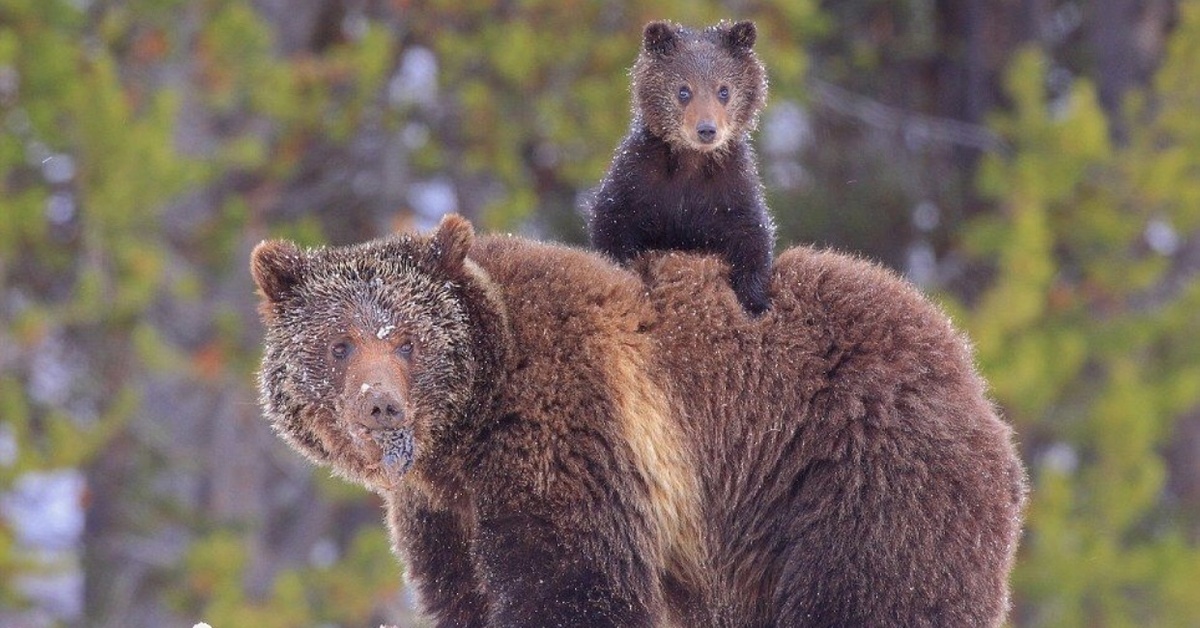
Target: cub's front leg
{"points": [[614, 230]]}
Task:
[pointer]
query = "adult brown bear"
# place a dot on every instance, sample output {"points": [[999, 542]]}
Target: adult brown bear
{"points": [[561, 442]]}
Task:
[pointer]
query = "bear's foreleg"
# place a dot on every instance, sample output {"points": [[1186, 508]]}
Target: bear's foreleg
{"points": [[540, 574], [435, 548]]}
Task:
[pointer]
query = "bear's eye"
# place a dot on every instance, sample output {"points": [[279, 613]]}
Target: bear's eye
{"points": [[685, 94], [723, 94], [405, 349], [340, 350]]}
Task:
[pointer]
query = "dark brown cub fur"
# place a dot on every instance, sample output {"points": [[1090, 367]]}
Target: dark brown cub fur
{"points": [[685, 177], [576, 444]]}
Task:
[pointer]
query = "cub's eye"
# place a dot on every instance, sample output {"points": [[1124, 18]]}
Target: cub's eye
{"points": [[405, 350], [723, 94], [685, 94], [340, 350]]}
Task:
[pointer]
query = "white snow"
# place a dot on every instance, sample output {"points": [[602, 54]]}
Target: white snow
{"points": [[787, 129], [921, 266], [433, 199], [925, 216], [8, 446], [323, 554], [415, 81], [1162, 237], [58, 168], [1060, 457], [45, 508]]}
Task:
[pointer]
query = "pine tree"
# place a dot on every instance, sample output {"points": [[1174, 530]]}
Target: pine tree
{"points": [[1080, 333]]}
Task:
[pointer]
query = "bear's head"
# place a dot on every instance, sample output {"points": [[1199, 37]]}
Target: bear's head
{"points": [[368, 348], [698, 90]]}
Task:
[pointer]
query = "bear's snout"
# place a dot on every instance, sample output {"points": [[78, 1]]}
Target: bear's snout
{"points": [[379, 408], [707, 132]]}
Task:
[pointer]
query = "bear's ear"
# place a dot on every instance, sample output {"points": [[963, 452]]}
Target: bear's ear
{"points": [[741, 36], [278, 267], [659, 38], [451, 241]]}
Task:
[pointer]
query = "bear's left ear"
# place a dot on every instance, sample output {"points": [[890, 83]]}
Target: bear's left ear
{"points": [[741, 37], [278, 268], [659, 38], [451, 241]]}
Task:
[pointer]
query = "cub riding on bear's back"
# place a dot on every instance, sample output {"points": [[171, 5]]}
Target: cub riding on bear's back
{"points": [[685, 177]]}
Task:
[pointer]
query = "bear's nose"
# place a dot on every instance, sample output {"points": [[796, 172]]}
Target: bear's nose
{"points": [[707, 132], [378, 408]]}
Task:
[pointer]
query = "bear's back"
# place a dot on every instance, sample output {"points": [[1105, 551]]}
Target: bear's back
{"points": [[847, 421], [561, 292], [840, 328], [828, 460]]}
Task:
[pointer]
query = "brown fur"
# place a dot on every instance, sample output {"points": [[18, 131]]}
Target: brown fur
{"points": [[597, 448], [662, 456], [704, 61]]}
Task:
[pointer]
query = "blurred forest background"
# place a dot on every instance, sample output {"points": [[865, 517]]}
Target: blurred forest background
{"points": [[1033, 164]]}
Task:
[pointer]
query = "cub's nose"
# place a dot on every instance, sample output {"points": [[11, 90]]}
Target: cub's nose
{"points": [[707, 132], [379, 408]]}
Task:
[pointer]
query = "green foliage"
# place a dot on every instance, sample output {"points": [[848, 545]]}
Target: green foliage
{"points": [[1093, 377], [71, 108], [85, 95], [1029, 351], [348, 592]]}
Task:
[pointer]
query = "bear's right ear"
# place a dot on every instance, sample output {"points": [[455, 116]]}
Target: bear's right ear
{"points": [[278, 267], [451, 241], [659, 38], [740, 37]]}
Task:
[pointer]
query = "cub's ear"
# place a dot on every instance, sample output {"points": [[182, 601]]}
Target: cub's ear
{"points": [[741, 37], [659, 38], [278, 267], [451, 241]]}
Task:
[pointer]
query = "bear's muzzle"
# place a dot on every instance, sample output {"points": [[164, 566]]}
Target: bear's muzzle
{"points": [[378, 408]]}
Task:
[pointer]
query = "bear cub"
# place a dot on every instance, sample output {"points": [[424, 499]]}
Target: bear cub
{"points": [[685, 176]]}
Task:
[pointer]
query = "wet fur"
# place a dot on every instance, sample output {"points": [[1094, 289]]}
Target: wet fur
{"points": [[608, 447], [667, 190]]}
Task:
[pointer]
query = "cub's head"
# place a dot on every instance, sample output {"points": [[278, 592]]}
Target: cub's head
{"points": [[368, 352], [699, 89]]}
